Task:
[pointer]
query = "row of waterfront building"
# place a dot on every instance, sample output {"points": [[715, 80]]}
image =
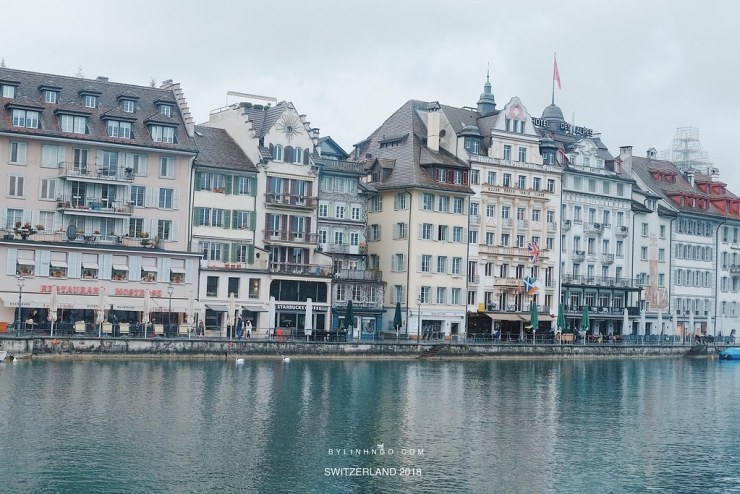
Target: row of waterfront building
{"points": [[462, 216]]}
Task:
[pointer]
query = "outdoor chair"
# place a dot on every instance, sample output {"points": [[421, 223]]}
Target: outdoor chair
{"points": [[124, 328], [108, 328], [80, 327], [183, 329], [159, 329]]}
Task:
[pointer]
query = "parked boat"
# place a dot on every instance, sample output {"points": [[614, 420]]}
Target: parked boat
{"points": [[732, 353]]}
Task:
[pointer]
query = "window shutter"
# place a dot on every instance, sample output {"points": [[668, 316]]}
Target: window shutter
{"points": [[418, 264], [74, 264], [106, 266], [196, 216], [173, 230], [189, 268], [134, 268], [176, 199], [227, 218], [163, 269], [198, 180], [305, 156], [225, 252], [12, 260], [421, 230], [42, 263], [252, 220], [230, 183], [250, 254]]}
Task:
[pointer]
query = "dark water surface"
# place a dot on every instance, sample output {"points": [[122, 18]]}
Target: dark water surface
{"points": [[269, 426]]}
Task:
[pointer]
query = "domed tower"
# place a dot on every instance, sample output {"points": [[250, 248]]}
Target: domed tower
{"points": [[471, 138], [553, 117], [486, 103], [548, 150]]}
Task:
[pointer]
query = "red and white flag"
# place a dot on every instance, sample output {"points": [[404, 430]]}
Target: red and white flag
{"points": [[555, 72]]}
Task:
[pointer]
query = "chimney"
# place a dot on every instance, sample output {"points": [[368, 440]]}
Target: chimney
{"points": [[433, 130], [690, 176], [625, 154], [102, 79], [714, 172]]}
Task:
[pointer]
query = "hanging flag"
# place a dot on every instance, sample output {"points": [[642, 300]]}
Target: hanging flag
{"points": [[529, 284], [534, 252], [555, 72], [562, 159]]}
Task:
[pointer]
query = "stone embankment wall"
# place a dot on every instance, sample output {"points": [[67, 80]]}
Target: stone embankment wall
{"points": [[220, 348]]}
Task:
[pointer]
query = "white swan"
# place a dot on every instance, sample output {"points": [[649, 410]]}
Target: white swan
{"points": [[239, 361], [285, 359]]}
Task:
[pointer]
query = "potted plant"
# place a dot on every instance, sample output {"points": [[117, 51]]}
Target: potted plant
{"points": [[144, 238], [24, 230]]}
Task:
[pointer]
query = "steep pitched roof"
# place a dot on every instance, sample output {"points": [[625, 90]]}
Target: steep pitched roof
{"points": [[217, 149], [71, 90], [408, 130], [263, 117]]}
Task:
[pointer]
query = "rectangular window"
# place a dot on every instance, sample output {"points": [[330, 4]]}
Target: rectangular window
{"points": [[323, 210], [442, 264], [456, 265], [522, 154], [18, 153], [135, 227], [7, 91], [507, 152], [25, 118], [165, 110], [165, 198], [475, 177], [339, 212], [427, 203], [507, 179], [166, 167], [661, 255], [161, 133], [491, 178], [400, 231], [15, 186], [339, 238], [457, 234], [644, 229], [442, 233], [164, 229], [455, 294], [354, 239], [458, 205], [356, 216], [51, 156], [127, 105], [522, 182], [119, 129], [441, 295], [400, 202], [48, 188], [73, 124], [443, 204], [643, 253], [536, 183], [426, 264], [551, 185], [212, 286], [398, 263], [426, 231]]}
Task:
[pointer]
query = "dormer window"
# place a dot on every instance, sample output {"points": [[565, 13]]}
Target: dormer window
{"points": [[7, 91], [119, 129], [73, 123], [127, 105], [165, 110], [91, 101], [51, 96], [26, 118], [160, 133], [472, 145]]}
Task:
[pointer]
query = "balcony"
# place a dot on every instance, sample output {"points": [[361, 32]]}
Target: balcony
{"points": [[276, 236], [566, 225], [499, 250], [104, 173], [344, 166], [474, 279], [577, 310], [597, 228], [569, 279], [507, 282], [552, 226], [607, 258], [94, 206], [291, 201], [475, 219], [522, 224], [735, 270], [579, 256], [507, 223], [302, 269], [356, 274], [541, 309], [622, 231]]}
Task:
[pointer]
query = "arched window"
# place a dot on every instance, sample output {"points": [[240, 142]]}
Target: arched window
{"points": [[288, 154], [298, 155], [278, 154]]}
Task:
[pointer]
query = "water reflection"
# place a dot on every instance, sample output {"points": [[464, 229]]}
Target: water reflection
{"points": [[269, 426]]}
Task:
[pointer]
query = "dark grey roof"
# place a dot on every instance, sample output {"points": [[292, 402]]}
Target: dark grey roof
{"points": [[263, 117], [407, 159], [553, 111], [640, 208], [72, 88], [217, 149]]}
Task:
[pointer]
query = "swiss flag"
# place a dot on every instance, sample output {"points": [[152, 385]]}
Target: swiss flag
{"points": [[555, 72]]}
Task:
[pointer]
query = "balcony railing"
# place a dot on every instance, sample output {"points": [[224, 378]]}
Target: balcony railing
{"points": [[503, 250], [597, 309], [552, 227], [569, 279], [622, 231], [291, 200], [86, 237], [566, 225], [355, 274], [475, 219], [513, 191], [579, 255], [508, 281], [68, 169], [271, 236], [541, 309], [93, 206], [303, 269], [345, 166], [593, 228], [607, 258], [522, 223], [474, 279], [734, 270]]}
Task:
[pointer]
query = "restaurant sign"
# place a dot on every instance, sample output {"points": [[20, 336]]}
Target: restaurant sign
{"points": [[94, 290], [316, 308]]}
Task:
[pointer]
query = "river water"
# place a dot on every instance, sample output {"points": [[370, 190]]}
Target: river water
{"points": [[314, 426]]}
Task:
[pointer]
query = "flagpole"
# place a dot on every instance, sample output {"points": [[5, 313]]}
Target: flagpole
{"points": [[553, 76]]}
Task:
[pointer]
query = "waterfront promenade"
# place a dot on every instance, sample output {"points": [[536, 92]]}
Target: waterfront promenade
{"points": [[209, 347]]}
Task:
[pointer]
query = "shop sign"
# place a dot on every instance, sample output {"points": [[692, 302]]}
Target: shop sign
{"points": [[302, 307]]}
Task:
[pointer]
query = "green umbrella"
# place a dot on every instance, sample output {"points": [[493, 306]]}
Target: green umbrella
{"points": [[397, 320], [585, 322], [534, 318], [561, 319]]}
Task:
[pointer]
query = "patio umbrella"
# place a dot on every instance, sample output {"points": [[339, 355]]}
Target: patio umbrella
{"points": [[660, 323], [349, 317], [230, 318], [146, 310], [691, 324], [561, 319], [709, 325], [626, 323], [53, 306], [101, 310], [271, 317], [308, 322], [642, 322], [397, 320], [585, 323]]}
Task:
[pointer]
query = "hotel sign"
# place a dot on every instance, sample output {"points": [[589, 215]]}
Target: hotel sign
{"points": [[565, 127]]}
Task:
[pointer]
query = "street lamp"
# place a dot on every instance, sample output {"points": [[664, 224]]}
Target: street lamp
{"points": [[418, 324], [21, 281], [170, 289]]}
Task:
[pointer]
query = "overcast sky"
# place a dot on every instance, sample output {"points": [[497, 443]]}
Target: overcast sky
{"points": [[633, 70]]}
